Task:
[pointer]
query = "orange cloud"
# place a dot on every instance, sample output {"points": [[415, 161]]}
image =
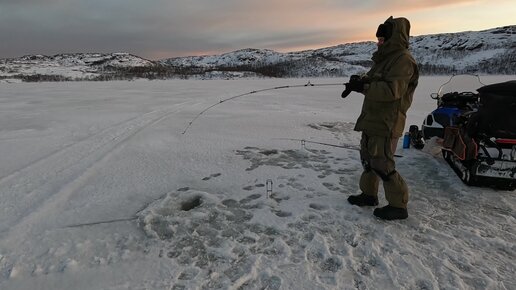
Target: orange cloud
{"points": [[413, 5]]}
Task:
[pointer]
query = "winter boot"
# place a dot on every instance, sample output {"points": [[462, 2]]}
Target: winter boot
{"points": [[391, 213], [363, 200]]}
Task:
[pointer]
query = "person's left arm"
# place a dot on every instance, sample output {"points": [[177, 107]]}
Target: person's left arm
{"points": [[393, 83]]}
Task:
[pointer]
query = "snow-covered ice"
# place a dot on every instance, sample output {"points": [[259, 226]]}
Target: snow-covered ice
{"points": [[99, 189]]}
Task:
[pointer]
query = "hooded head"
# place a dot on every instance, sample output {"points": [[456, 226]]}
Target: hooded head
{"points": [[395, 32], [384, 30]]}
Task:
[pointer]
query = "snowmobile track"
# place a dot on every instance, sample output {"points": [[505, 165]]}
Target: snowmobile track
{"points": [[58, 151], [42, 186]]}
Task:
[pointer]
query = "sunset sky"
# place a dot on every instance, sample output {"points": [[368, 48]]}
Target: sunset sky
{"points": [[158, 29]]}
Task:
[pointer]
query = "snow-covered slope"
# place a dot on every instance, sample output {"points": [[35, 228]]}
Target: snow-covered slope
{"points": [[71, 66], [490, 51], [334, 61]]}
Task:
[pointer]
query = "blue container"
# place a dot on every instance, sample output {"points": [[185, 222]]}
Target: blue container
{"points": [[406, 141]]}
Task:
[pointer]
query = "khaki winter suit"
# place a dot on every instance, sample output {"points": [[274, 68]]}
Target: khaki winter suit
{"points": [[392, 82]]}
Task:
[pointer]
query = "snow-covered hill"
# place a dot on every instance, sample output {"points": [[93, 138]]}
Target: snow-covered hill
{"points": [[490, 51], [333, 61], [70, 66]]}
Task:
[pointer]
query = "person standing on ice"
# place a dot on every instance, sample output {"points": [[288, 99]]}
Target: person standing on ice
{"points": [[388, 88]]}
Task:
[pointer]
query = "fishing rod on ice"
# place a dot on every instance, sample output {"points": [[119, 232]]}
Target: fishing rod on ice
{"points": [[344, 146], [309, 84], [303, 141]]}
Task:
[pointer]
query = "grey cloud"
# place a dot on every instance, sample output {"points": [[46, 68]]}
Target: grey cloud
{"points": [[53, 26], [176, 27]]}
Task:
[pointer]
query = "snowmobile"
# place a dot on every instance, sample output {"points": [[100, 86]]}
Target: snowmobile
{"points": [[477, 130]]}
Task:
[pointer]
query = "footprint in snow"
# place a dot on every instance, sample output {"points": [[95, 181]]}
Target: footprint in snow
{"points": [[263, 282], [250, 198], [212, 176], [188, 274], [281, 213], [251, 187], [318, 206]]}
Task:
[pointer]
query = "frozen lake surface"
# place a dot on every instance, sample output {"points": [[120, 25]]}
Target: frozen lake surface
{"points": [[99, 189]]}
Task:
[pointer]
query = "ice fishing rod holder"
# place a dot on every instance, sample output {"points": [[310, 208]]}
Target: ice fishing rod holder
{"points": [[268, 185]]}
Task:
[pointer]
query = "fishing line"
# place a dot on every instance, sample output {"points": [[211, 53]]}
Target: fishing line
{"points": [[254, 92], [101, 222], [345, 146]]}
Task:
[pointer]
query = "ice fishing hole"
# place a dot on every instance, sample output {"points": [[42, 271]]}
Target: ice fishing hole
{"points": [[191, 204]]}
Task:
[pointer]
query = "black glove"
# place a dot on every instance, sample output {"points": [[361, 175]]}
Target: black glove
{"points": [[356, 84]]}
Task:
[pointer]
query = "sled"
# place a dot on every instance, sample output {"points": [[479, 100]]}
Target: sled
{"points": [[477, 130]]}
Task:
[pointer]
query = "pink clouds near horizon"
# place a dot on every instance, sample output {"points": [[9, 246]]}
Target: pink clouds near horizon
{"points": [[168, 28]]}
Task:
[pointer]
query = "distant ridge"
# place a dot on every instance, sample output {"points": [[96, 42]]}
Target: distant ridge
{"points": [[491, 51]]}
